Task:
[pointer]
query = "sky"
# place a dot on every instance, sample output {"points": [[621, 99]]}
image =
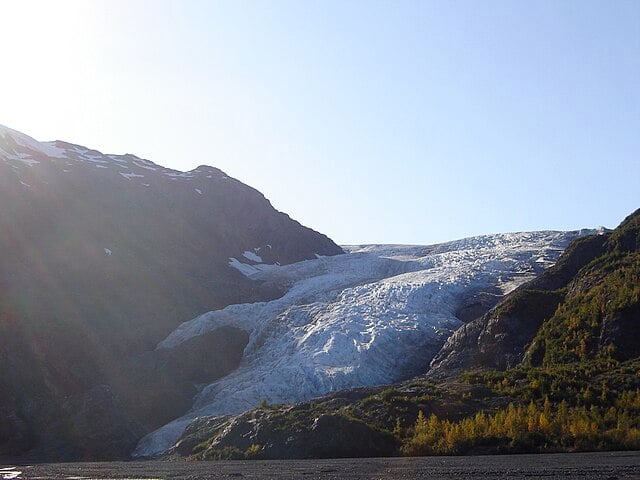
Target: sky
{"points": [[370, 121]]}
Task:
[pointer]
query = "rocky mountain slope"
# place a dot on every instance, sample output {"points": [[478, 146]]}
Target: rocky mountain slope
{"points": [[566, 349], [596, 273], [374, 316], [102, 257]]}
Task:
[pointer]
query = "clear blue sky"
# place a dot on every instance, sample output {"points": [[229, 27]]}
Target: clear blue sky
{"points": [[371, 121]]}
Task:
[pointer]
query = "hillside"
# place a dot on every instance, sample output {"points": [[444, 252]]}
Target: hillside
{"points": [[103, 256]]}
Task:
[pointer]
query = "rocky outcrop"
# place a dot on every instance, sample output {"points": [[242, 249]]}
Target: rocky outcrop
{"points": [[328, 436], [623, 331], [164, 381], [265, 433], [100, 427]]}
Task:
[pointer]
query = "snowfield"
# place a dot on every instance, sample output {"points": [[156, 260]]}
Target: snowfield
{"points": [[375, 315]]}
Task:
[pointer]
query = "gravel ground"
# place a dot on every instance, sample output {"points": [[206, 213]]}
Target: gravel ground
{"points": [[605, 466]]}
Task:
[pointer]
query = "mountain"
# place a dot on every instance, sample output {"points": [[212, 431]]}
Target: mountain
{"points": [[553, 366], [102, 257], [153, 311], [374, 316]]}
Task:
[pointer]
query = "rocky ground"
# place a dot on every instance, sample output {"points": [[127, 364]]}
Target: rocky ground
{"points": [[604, 465]]}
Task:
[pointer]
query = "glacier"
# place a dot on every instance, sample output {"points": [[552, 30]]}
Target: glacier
{"points": [[375, 315]]}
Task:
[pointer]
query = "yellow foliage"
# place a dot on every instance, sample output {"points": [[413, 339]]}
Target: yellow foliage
{"points": [[559, 428]]}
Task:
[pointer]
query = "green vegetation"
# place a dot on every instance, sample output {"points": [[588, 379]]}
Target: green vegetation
{"points": [[593, 405], [626, 237], [610, 286], [254, 452], [226, 453], [599, 382], [287, 418]]}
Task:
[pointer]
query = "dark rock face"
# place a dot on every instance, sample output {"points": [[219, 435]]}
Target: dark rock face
{"points": [[15, 435], [334, 436], [509, 329], [99, 423], [103, 256], [623, 331], [204, 358], [163, 382], [477, 304]]}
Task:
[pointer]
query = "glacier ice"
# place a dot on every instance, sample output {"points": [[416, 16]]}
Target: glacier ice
{"points": [[374, 315]]}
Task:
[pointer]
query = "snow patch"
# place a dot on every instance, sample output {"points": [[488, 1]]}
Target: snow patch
{"points": [[146, 167], [252, 256], [28, 161], [116, 158], [93, 158], [244, 268], [32, 146], [130, 175], [176, 175], [9, 473], [51, 150]]}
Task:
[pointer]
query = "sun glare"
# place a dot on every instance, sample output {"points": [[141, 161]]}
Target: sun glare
{"points": [[44, 44]]}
